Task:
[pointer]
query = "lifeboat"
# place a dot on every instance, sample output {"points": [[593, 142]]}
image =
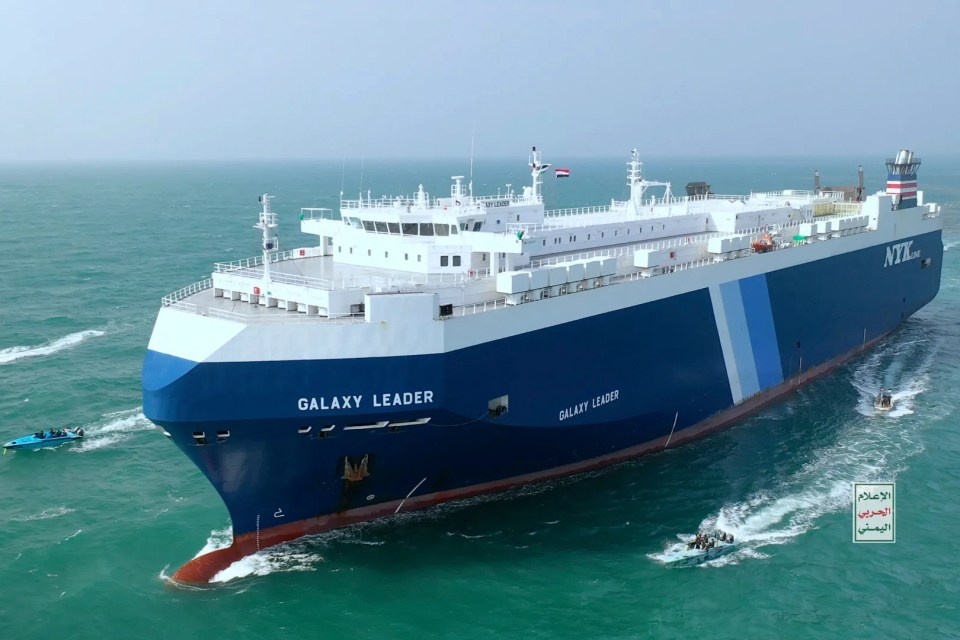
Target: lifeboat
{"points": [[764, 244]]}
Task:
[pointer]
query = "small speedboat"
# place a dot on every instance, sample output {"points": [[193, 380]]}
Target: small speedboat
{"points": [[681, 555], [884, 400], [51, 438]]}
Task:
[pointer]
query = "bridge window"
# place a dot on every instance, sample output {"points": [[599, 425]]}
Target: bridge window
{"points": [[409, 228], [393, 227], [444, 260], [477, 225], [456, 261], [368, 252], [453, 229], [386, 254], [368, 226], [442, 229], [426, 228], [406, 256], [418, 258], [381, 227]]}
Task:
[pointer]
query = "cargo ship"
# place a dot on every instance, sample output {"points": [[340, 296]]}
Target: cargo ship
{"points": [[423, 349]]}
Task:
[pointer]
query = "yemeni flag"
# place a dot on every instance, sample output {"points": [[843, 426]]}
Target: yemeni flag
{"points": [[563, 173]]}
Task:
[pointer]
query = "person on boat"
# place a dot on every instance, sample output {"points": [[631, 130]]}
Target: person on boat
{"points": [[39, 435]]}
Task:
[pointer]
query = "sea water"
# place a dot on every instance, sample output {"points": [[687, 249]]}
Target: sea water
{"points": [[90, 532]]}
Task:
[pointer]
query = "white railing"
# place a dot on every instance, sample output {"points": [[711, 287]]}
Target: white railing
{"points": [[175, 297], [313, 213], [280, 317], [255, 261], [614, 252], [284, 278], [576, 211], [426, 280], [480, 307]]}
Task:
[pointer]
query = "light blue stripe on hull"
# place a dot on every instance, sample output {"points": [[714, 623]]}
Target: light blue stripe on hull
{"points": [[739, 332], [763, 335]]}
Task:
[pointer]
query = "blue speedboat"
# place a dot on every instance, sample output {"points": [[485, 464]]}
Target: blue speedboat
{"points": [[51, 438], [690, 555]]}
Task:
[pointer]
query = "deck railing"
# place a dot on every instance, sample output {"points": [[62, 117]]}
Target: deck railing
{"points": [[175, 297], [254, 261], [314, 213]]}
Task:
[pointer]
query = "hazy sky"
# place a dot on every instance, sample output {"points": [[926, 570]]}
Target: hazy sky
{"points": [[327, 79]]}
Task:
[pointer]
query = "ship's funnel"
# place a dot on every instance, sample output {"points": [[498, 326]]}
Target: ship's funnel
{"points": [[902, 179]]}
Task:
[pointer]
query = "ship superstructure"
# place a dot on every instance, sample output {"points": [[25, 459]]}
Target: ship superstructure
{"points": [[429, 348]]}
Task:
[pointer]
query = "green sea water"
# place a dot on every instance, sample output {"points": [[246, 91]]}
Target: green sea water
{"points": [[90, 531]]}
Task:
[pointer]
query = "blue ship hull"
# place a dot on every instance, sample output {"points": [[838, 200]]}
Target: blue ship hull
{"points": [[595, 391]]}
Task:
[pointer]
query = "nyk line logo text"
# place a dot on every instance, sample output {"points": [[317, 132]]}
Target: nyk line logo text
{"points": [[897, 253]]}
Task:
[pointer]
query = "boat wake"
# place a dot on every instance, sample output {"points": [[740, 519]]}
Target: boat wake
{"points": [[46, 514], [892, 369], [12, 354], [868, 447], [113, 428]]}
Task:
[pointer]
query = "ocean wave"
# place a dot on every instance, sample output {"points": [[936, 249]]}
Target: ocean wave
{"points": [[12, 354], [71, 536], [46, 514]]}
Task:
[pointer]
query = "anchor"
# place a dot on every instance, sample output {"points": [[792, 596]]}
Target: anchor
{"points": [[355, 473]]}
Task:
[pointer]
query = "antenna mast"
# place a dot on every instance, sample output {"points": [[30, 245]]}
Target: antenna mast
{"points": [[268, 225], [536, 168], [638, 185], [472, 138]]}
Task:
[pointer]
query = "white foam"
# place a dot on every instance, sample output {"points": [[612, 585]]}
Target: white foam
{"points": [[12, 354], [92, 444], [112, 428], [126, 421], [46, 514], [218, 539], [868, 447], [72, 535], [280, 559]]}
